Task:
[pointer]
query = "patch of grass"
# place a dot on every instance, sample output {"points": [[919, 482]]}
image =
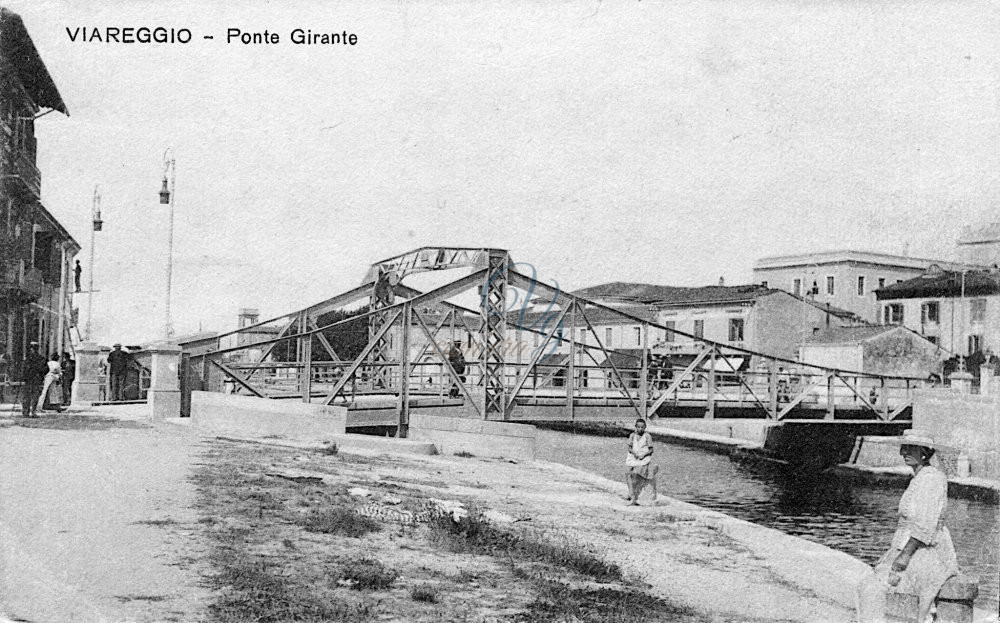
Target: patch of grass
{"points": [[338, 520], [464, 454], [159, 523], [424, 593], [559, 602], [476, 534], [128, 598], [366, 574], [75, 421], [254, 590]]}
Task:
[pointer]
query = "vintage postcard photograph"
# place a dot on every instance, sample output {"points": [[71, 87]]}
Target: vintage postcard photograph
{"points": [[500, 312]]}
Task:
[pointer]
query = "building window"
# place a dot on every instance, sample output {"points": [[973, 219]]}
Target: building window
{"points": [[583, 336], [829, 285], [975, 343], [977, 310], [638, 336], [930, 313], [797, 287], [669, 333], [735, 329], [894, 313], [861, 286], [607, 337], [699, 328], [881, 282]]}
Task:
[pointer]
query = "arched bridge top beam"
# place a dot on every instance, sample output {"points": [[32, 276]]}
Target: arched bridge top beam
{"points": [[427, 259]]}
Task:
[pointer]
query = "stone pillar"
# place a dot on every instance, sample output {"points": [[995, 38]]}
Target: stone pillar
{"points": [[961, 382], [987, 381], [87, 384], [164, 388]]}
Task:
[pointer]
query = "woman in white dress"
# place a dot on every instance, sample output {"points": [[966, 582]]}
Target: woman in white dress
{"points": [[921, 557], [51, 392]]}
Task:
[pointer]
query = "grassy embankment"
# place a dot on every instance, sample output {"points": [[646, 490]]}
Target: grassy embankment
{"points": [[295, 550]]}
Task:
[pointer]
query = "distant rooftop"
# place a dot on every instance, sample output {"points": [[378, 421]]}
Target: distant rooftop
{"points": [[648, 294], [990, 233], [848, 256], [944, 283], [853, 335]]}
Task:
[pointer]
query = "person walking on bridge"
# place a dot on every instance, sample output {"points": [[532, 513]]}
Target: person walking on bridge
{"points": [[118, 361], [33, 371], [639, 470]]}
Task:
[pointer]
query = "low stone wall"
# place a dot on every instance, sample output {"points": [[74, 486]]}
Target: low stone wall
{"points": [[480, 438], [966, 422], [751, 431], [256, 417]]}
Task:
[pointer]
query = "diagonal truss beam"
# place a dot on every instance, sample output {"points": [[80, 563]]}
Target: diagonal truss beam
{"points": [[802, 395], [863, 400], [231, 374], [523, 377], [677, 382], [607, 357], [447, 365], [353, 368]]}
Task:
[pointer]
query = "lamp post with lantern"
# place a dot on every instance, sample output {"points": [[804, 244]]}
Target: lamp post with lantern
{"points": [[98, 225], [167, 197]]}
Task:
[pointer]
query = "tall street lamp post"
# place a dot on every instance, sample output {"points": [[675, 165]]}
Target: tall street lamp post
{"points": [[167, 197], [98, 224]]}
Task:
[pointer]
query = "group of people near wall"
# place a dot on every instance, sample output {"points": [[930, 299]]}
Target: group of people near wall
{"points": [[46, 383], [921, 556]]}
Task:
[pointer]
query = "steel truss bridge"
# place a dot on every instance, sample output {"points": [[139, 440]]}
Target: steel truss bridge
{"points": [[513, 370]]}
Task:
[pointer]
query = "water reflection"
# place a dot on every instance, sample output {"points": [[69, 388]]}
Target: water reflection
{"points": [[853, 518]]}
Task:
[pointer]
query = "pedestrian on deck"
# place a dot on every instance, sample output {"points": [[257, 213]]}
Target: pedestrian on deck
{"points": [[457, 361], [51, 394], [921, 557], [33, 371], [118, 361], [638, 462], [68, 376]]}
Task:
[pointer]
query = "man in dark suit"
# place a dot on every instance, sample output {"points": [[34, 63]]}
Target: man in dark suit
{"points": [[118, 361], [33, 371]]}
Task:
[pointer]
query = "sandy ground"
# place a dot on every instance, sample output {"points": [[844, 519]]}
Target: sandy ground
{"points": [[73, 545], [97, 525]]}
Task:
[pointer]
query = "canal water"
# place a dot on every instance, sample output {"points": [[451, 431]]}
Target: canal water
{"points": [[855, 518]]}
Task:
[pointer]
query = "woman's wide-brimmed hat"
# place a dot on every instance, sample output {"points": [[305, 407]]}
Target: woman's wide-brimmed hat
{"points": [[915, 437]]}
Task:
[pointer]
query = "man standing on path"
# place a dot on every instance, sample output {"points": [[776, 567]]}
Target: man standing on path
{"points": [[68, 374], [118, 362], [33, 371]]}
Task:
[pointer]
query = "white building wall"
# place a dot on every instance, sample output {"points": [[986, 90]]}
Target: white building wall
{"points": [[955, 323]]}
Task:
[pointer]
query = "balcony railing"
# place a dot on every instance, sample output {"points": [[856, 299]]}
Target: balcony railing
{"points": [[19, 278], [20, 171]]}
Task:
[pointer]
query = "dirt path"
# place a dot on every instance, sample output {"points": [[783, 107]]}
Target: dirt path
{"points": [[96, 521]]}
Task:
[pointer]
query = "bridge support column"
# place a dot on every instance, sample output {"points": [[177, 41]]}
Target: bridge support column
{"points": [[710, 403], [164, 386], [403, 407], [87, 384], [493, 309]]}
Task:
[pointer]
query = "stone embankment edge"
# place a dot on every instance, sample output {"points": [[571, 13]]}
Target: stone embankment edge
{"points": [[899, 476]]}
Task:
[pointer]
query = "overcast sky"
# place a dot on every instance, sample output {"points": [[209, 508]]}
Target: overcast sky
{"points": [[665, 143]]}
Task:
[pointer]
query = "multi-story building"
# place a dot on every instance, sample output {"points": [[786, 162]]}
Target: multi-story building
{"points": [[752, 317], [36, 251], [844, 279], [957, 310], [980, 245]]}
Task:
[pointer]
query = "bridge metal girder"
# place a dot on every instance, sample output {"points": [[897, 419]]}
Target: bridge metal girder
{"points": [[493, 309]]}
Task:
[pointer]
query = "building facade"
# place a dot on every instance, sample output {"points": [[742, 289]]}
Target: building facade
{"points": [[957, 310], [36, 251], [844, 279], [980, 245]]}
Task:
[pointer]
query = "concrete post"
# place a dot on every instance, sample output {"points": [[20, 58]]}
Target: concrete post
{"points": [[87, 384], [164, 389], [961, 382], [987, 381]]}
